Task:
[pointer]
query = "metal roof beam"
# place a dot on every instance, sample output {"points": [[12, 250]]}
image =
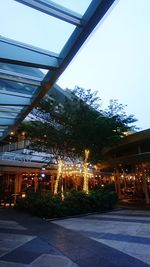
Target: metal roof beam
{"points": [[54, 10], [19, 53]]}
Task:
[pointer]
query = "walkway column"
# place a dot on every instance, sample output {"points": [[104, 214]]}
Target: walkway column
{"points": [[145, 189], [52, 184], [19, 183], [35, 183], [16, 188], [117, 183]]}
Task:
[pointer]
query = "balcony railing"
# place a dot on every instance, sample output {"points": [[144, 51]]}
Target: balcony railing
{"points": [[15, 157], [15, 146]]}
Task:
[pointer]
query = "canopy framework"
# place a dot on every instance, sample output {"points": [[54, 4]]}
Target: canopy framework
{"points": [[22, 83]]}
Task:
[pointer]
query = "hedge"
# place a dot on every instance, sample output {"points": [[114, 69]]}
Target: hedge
{"points": [[75, 202]]}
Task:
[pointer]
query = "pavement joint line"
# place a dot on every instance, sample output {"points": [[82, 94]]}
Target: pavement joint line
{"points": [[10, 250], [77, 215], [118, 220], [131, 215], [118, 237]]}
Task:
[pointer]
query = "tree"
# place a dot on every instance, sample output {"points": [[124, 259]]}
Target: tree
{"points": [[116, 112], [68, 130], [92, 128], [79, 124]]}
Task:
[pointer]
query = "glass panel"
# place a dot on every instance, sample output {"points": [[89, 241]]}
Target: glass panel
{"points": [[27, 25], [7, 121], [18, 87], [12, 109], [77, 6], [8, 114], [3, 127], [23, 70]]}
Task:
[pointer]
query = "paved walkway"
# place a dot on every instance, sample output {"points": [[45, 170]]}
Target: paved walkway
{"points": [[116, 239]]}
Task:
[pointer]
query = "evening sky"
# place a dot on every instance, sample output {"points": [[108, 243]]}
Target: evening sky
{"points": [[115, 60]]}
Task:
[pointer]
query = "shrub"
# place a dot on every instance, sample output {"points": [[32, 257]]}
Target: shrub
{"points": [[96, 199], [75, 202], [41, 204], [109, 200]]}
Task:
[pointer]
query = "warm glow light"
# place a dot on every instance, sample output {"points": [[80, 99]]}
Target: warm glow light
{"points": [[59, 172], [85, 173]]}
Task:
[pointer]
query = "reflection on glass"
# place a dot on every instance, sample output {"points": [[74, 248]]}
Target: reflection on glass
{"points": [[12, 109], [8, 114], [23, 70], [17, 87]]}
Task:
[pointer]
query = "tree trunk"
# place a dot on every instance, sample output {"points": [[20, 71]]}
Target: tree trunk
{"points": [[85, 172], [59, 173]]}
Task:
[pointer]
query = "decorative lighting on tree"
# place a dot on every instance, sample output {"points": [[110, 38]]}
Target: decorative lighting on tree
{"points": [[59, 172], [85, 171]]}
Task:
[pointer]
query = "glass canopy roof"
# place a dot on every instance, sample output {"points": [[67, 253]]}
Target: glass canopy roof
{"points": [[38, 40]]}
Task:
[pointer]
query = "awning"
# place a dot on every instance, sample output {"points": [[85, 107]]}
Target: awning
{"points": [[30, 64]]}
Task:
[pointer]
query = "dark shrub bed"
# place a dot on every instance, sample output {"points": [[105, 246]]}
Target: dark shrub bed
{"points": [[75, 202]]}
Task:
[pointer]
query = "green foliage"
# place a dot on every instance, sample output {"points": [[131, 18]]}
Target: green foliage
{"points": [[75, 202], [87, 96], [41, 204], [79, 124]]}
